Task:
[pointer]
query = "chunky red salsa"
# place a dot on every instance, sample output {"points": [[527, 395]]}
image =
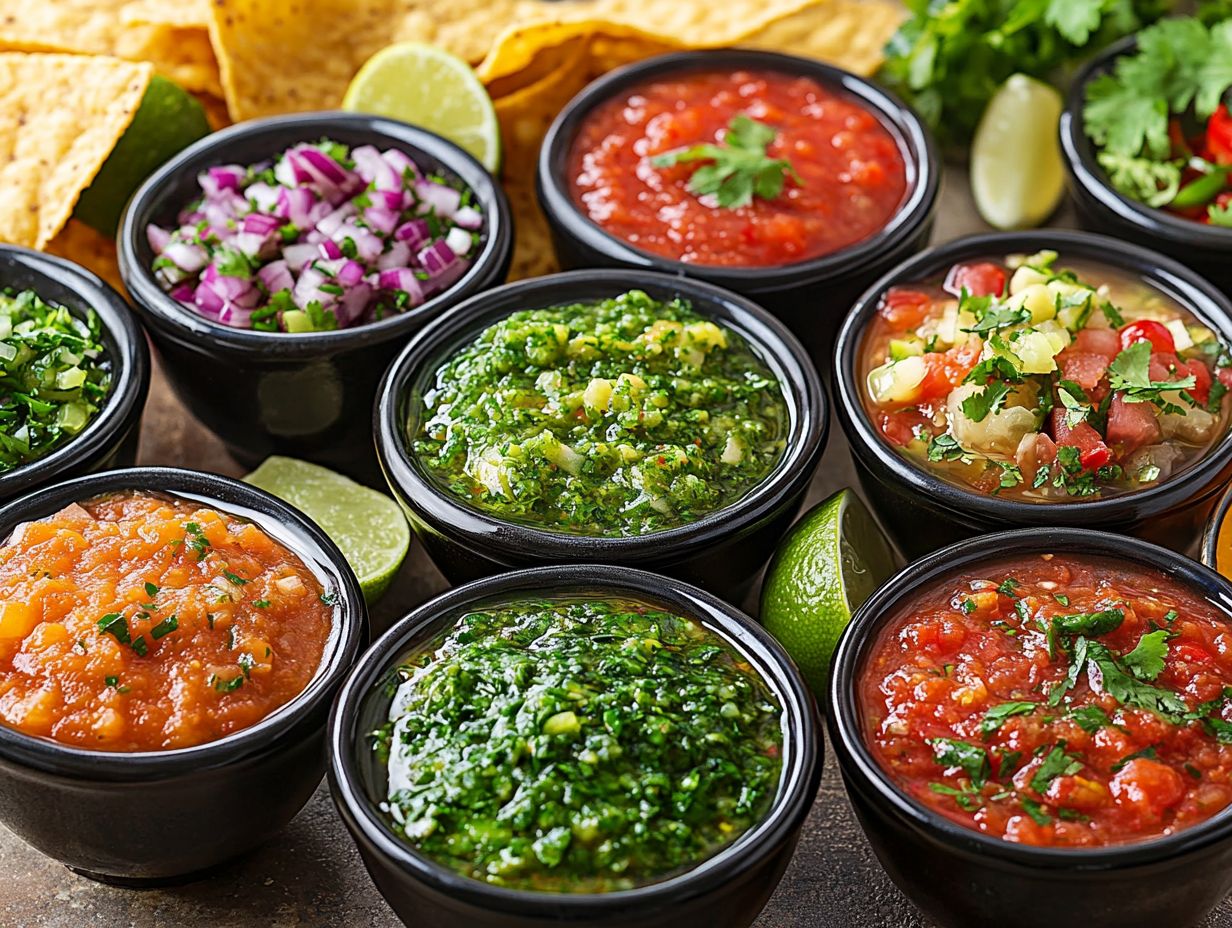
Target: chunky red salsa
{"points": [[1056, 701], [1044, 382], [738, 169]]}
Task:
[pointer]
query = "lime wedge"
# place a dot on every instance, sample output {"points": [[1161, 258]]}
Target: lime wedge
{"points": [[829, 563], [168, 120], [367, 526], [430, 88], [1017, 176]]}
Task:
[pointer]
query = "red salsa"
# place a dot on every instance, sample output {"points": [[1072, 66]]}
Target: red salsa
{"points": [[644, 163], [1056, 701]]}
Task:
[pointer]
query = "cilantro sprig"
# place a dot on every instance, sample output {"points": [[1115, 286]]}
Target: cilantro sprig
{"points": [[739, 169]]}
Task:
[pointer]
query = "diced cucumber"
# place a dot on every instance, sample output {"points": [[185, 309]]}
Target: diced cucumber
{"points": [[296, 320], [906, 347], [897, 381], [1037, 352]]}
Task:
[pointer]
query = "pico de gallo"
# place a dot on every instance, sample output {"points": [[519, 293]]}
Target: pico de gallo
{"points": [[1056, 700], [617, 417], [323, 237], [1160, 120], [736, 168], [1034, 382], [622, 744]]}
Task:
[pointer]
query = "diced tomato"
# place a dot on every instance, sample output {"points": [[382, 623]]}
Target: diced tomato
{"points": [[1148, 788], [1098, 341], [1148, 330], [1219, 135], [1082, 367], [944, 370], [904, 309], [1189, 652], [1131, 425], [900, 427], [1225, 376], [1165, 366], [982, 279], [1201, 390], [1092, 452], [1034, 451]]}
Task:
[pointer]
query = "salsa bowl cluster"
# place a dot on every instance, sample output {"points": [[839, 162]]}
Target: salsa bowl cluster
{"points": [[1034, 724]]}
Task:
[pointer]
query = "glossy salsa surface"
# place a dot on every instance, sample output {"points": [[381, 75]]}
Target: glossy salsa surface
{"points": [[1043, 380], [578, 745], [137, 622], [1056, 700], [850, 177], [619, 417]]}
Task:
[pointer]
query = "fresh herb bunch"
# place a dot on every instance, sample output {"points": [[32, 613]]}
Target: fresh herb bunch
{"points": [[1140, 114], [740, 168], [949, 58], [54, 374]]}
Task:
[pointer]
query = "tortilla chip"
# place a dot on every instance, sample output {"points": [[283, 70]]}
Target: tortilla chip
{"points": [[92, 250], [180, 14], [849, 33], [251, 37], [60, 117], [100, 27]]}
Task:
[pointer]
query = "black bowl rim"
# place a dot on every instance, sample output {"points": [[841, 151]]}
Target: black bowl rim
{"points": [[160, 309], [131, 370], [1085, 171], [1165, 274], [797, 786], [1210, 535], [766, 335], [295, 531], [885, 604], [915, 142]]}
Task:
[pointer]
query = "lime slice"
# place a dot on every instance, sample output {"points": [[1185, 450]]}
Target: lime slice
{"points": [[430, 88], [367, 526], [168, 120], [829, 563], [1017, 175]]}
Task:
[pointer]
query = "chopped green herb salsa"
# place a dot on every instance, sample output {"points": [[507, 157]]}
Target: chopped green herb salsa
{"points": [[54, 374], [578, 746], [620, 417]]}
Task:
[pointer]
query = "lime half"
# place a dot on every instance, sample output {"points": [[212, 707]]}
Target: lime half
{"points": [[367, 526], [829, 563], [428, 87], [1017, 175], [168, 120]]}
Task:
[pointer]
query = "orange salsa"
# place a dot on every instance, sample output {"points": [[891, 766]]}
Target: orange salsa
{"points": [[139, 622]]}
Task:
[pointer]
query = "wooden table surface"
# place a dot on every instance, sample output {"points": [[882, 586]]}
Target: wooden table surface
{"points": [[310, 875]]}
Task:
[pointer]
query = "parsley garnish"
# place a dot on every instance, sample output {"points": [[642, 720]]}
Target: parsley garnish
{"points": [[1146, 660], [196, 540], [1130, 372], [233, 578], [969, 758], [1035, 810], [1089, 718], [1147, 752], [996, 716], [740, 168], [165, 627], [1056, 764]]}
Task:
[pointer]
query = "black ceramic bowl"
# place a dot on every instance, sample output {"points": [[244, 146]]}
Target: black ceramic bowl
{"points": [[810, 296], [305, 395], [726, 891], [721, 551], [160, 816], [1101, 208], [1210, 537], [923, 511], [110, 438], [965, 879]]}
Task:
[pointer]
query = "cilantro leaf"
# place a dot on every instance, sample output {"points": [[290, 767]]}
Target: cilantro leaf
{"points": [[945, 447], [1089, 718], [1128, 690], [1035, 810], [1146, 660], [1075, 411], [1056, 764], [996, 716], [1074, 19], [969, 758], [969, 800], [977, 406], [739, 168], [1130, 372]]}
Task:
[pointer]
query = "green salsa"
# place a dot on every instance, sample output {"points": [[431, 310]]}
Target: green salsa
{"points": [[578, 746], [54, 374], [619, 417]]}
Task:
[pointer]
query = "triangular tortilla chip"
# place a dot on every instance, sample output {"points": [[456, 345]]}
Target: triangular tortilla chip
{"points": [[60, 117]]}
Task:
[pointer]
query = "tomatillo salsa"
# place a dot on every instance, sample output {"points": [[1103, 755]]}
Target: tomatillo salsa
{"points": [[1056, 700], [139, 622], [619, 417], [1041, 383], [54, 375], [741, 168], [579, 745]]}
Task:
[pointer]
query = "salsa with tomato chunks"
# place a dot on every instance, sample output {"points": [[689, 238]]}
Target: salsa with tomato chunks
{"points": [[744, 168], [1056, 700], [1041, 383]]}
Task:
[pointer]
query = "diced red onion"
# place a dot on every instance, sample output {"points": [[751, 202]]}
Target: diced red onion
{"points": [[381, 219], [158, 237], [376, 170], [444, 201], [294, 204], [264, 197], [330, 250], [469, 218], [260, 224], [459, 242], [351, 273], [414, 233], [329, 225], [368, 246], [399, 255], [308, 289], [436, 258], [290, 170], [353, 304], [186, 256], [207, 300], [276, 276], [235, 316], [222, 177], [404, 279], [297, 256], [401, 162]]}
